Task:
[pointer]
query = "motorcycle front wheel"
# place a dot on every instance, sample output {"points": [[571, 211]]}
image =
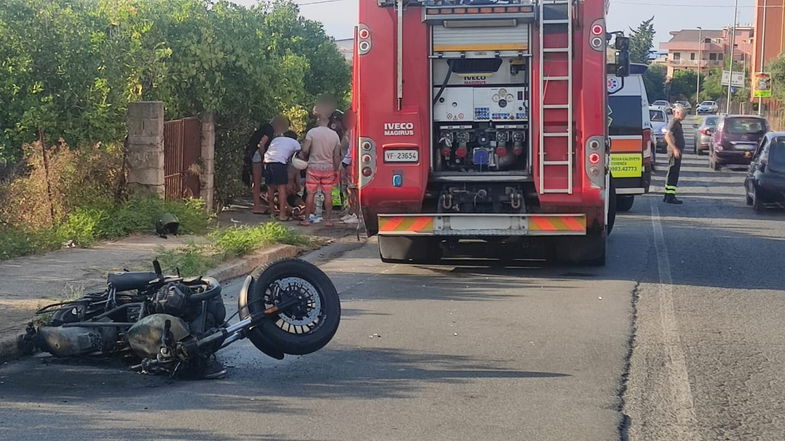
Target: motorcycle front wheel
{"points": [[303, 328]]}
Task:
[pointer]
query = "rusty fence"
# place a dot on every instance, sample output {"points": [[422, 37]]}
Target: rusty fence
{"points": [[182, 149]]}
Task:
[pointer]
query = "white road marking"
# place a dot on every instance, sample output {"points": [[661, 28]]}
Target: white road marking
{"points": [[683, 407]]}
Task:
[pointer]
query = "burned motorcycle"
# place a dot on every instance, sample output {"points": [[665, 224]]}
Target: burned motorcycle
{"points": [[175, 325]]}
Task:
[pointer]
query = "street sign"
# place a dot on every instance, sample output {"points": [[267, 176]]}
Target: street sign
{"points": [[738, 78], [762, 85]]}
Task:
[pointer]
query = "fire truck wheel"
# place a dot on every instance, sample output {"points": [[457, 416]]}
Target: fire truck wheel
{"points": [[398, 249], [624, 203]]}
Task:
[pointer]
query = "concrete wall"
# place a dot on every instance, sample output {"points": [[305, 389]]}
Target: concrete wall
{"points": [[145, 155]]}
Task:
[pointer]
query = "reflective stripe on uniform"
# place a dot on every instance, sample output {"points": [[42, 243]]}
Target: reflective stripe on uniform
{"points": [[670, 189]]}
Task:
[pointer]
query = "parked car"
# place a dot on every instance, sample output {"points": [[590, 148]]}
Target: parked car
{"points": [[707, 107], [703, 134], [663, 105], [765, 182], [685, 104], [735, 140], [659, 124]]}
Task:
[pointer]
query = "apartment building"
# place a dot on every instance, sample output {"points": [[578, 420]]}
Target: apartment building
{"points": [[695, 49]]}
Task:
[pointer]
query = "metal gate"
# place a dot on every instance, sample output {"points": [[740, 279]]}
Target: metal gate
{"points": [[182, 149]]}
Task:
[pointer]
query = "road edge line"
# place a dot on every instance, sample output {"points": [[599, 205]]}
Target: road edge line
{"points": [[682, 402]]}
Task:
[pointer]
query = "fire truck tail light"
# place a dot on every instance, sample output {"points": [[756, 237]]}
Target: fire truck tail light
{"points": [[367, 164], [501, 151], [595, 161], [597, 38], [363, 39]]}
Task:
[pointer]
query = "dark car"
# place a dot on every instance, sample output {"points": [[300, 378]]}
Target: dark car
{"points": [[703, 135], [735, 140], [765, 183]]}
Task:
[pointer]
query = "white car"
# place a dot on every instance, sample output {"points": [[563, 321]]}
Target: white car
{"points": [[707, 107], [659, 123], [663, 105]]}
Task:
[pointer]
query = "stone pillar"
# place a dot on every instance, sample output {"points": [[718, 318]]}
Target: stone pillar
{"points": [[145, 156], [207, 178]]}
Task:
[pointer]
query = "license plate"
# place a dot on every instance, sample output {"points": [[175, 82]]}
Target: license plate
{"points": [[401, 155], [744, 147]]}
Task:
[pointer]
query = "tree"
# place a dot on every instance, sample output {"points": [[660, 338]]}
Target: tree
{"points": [[641, 41], [683, 84], [777, 70], [654, 79]]}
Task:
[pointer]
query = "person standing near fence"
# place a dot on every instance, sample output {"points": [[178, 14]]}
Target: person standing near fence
{"points": [[254, 153]]}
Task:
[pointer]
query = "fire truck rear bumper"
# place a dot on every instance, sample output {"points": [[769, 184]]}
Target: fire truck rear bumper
{"points": [[482, 225]]}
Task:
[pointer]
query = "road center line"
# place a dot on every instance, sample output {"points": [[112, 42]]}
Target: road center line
{"points": [[682, 404]]}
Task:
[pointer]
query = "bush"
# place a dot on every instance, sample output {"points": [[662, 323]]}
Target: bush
{"points": [[238, 241]]}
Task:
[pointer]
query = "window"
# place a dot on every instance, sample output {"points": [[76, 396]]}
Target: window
{"points": [[777, 156], [713, 57], [656, 115], [692, 56], [745, 125], [676, 56], [720, 56], [626, 115]]}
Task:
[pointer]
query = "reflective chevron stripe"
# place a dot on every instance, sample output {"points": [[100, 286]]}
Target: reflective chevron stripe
{"points": [[670, 189], [555, 224], [399, 224]]}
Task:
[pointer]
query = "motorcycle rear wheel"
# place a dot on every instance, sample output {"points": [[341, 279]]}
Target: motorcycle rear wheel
{"points": [[305, 328]]}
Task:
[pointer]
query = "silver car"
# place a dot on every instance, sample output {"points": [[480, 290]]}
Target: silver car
{"points": [[707, 107], [703, 134], [659, 123]]}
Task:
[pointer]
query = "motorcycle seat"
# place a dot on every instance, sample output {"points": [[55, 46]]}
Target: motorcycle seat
{"points": [[127, 281]]}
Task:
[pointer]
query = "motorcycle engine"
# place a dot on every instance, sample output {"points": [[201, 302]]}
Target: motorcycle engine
{"points": [[145, 336]]}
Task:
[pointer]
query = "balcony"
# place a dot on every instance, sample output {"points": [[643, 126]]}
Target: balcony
{"points": [[693, 63]]}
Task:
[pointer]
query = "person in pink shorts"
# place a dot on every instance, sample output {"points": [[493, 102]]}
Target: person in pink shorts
{"points": [[323, 149]]}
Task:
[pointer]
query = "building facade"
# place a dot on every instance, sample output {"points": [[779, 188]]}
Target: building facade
{"points": [[693, 49], [770, 35]]}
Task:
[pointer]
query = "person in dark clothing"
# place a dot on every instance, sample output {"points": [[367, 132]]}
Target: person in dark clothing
{"points": [[254, 153], [674, 136]]}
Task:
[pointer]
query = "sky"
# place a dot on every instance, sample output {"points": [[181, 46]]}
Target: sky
{"points": [[339, 16]]}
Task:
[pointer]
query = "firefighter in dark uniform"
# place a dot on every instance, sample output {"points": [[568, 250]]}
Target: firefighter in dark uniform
{"points": [[675, 139]]}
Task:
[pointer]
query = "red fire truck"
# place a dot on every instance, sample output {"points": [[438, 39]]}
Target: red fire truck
{"points": [[484, 121]]}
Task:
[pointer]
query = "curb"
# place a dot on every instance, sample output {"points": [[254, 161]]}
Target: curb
{"points": [[10, 345], [246, 264]]}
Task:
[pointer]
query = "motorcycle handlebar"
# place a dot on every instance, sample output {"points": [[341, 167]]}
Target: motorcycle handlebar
{"points": [[213, 290]]}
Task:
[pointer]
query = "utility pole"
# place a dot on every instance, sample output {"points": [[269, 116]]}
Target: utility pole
{"points": [[732, 51], [700, 62], [762, 56]]}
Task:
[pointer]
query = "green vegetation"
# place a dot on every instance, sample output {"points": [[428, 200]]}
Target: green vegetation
{"points": [[641, 41], [226, 243], [69, 68], [86, 225], [654, 79]]}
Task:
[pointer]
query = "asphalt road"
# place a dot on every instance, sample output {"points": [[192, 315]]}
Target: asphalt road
{"points": [[679, 337]]}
